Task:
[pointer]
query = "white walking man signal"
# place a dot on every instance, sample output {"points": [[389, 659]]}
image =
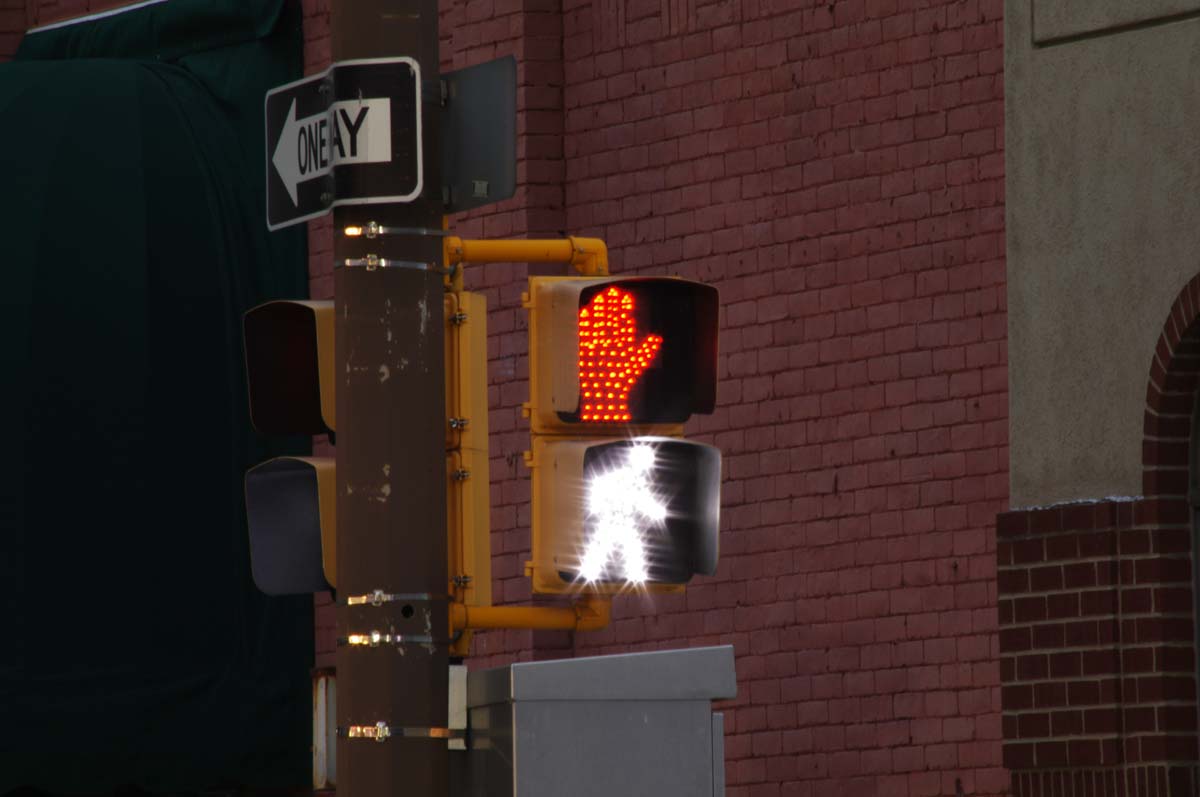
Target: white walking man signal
{"points": [[621, 507]]}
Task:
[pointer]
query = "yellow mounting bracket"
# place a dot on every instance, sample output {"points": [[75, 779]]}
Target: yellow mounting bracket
{"points": [[590, 613], [589, 256]]}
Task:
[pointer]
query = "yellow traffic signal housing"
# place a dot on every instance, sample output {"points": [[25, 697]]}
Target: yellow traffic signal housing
{"points": [[630, 354], [468, 521], [290, 500], [289, 367], [291, 507], [617, 365]]}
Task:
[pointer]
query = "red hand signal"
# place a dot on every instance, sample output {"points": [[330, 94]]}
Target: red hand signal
{"points": [[610, 363]]}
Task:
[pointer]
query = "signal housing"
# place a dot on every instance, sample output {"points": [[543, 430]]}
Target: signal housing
{"points": [[618, 363]]}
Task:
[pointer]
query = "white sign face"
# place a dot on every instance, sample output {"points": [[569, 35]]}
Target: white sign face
{"points": [[350, 135], [351, 131]]}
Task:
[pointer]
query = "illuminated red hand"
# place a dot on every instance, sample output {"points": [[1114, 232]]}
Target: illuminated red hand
{"points": [[610, 362]]}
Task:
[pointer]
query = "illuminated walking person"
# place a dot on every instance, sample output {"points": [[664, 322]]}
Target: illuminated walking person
{"points": [[621, 508]]}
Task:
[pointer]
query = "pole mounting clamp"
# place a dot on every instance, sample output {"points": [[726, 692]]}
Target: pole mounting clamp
{"points": [[379, 597], [374, 639], [373, 229], [381, 732], [372, 262]]}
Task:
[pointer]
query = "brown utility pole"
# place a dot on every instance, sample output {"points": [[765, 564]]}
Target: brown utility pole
{"points": [[391, 510]]}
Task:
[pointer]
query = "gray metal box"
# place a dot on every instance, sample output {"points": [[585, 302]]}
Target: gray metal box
{"points": [[640, 723]]}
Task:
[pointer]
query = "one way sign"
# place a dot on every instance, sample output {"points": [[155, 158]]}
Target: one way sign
{"points": [[350, 135]]}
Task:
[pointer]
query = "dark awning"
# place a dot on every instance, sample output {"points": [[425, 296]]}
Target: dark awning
{"points": [[134, 649]]}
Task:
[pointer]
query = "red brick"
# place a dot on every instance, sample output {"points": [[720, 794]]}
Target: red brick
{"points": [[865, 338]]}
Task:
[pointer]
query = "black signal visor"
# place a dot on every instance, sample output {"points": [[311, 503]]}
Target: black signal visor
{"points": [[285, 528], [282, 369]]}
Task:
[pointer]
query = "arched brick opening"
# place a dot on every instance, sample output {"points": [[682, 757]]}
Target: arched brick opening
{"points": [[1158, 567], [1097, 641], [1171, 398]]}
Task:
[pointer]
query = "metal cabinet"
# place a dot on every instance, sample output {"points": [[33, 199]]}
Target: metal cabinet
{"points": [[639, 723]]}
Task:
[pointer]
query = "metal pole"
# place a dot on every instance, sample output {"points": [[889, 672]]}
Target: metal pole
{"points": [[391, 450]]}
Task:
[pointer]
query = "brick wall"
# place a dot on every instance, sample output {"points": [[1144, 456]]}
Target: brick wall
{"points": [[45, 12], [1096, 642], [1098, 655], [837, 171], [1142, 781], [12, 27]]}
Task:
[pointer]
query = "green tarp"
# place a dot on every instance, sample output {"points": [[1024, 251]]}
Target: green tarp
{"points": [[134, 649]]}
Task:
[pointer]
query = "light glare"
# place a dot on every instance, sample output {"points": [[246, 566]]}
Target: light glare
{"points": [[621, 505]]}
